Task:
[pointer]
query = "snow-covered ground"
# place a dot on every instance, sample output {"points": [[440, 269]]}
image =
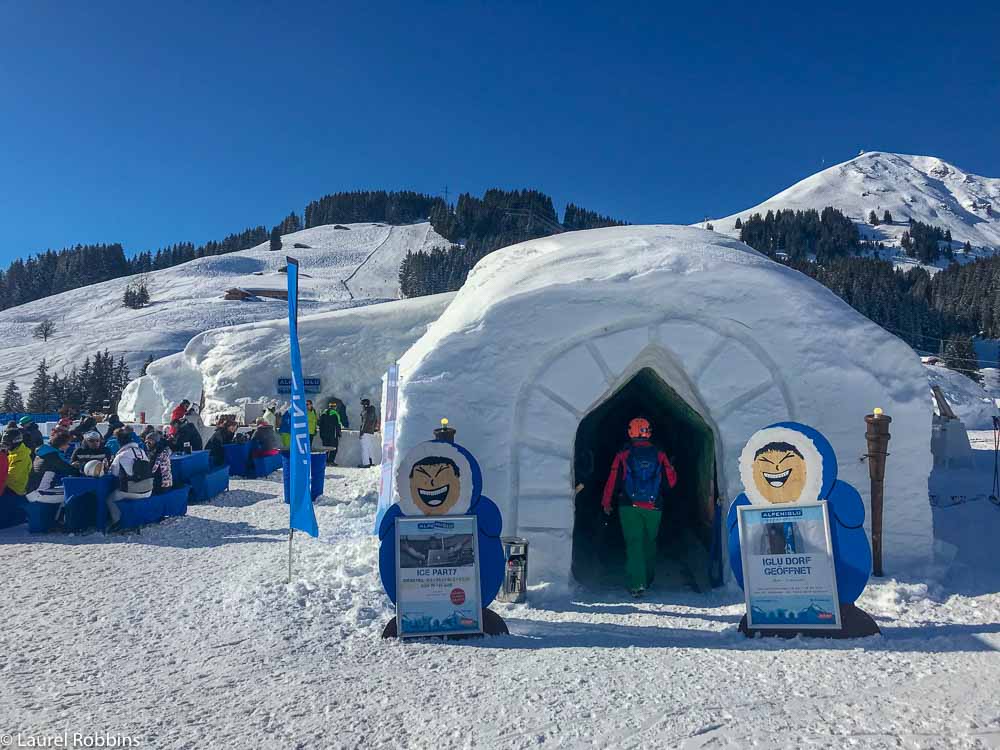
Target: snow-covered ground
{"points": [[341, 267], [188, 635], [924, 188]]}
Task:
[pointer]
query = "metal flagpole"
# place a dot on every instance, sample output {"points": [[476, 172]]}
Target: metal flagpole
{"points": [[291, 533]]}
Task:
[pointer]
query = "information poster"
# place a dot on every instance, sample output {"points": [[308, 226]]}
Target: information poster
{"points": [[390, 404], [437, 576], [788, 570]]}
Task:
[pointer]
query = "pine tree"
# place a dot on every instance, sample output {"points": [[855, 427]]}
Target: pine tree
{"points": [[739, 224], [967, 247], [275, 239], [38, 396], [887, 217], [873, 218], [12, 402], [960, 356], [145, 365]]}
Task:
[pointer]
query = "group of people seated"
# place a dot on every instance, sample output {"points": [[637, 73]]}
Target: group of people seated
{"points": [[264, 441], [32, 470]]}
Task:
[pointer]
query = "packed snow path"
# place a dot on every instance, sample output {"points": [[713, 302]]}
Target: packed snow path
{"points": [[187, 635]]}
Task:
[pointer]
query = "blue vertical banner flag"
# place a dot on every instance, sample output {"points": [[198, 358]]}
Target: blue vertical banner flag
{"points": [[302, 515]]}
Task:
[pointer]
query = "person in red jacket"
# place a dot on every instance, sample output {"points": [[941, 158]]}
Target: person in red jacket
{"points": [[180, 411], [640, 476]]}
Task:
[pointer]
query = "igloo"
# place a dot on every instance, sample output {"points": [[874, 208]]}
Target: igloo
{"points": [[554, 344]]}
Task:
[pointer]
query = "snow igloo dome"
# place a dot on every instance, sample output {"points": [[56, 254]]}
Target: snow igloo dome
{"points": [[553, 345]]}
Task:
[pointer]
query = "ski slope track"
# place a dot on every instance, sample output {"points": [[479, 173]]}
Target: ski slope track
{"points": [[341, 268], [924, 188]]}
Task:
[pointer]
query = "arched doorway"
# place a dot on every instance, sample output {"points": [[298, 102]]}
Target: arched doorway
{"points": [[686, 531]]}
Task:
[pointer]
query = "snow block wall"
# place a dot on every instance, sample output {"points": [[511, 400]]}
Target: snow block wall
{"points": [[545, 331], [350, 350]]}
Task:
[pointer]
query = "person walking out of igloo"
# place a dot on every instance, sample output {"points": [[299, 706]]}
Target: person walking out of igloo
{"points": [[640, 477]]}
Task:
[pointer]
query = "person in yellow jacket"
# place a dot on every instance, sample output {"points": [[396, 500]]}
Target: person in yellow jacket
{"points": [[313, 418], [18, 471]]}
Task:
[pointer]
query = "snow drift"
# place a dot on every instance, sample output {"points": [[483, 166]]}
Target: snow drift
{"points": [[543, 333], [349, 349]]}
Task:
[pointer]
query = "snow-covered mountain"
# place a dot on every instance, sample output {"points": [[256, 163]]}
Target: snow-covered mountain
{"points": [[924, 188], [346, 267]]}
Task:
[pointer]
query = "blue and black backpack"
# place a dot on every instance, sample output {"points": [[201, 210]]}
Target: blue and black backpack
{"points": [[642, 474]]}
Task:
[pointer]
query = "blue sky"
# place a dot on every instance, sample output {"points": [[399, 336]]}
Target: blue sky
{"points": [[151, 123]]}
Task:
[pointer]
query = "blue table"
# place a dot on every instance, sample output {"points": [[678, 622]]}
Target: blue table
{"points": [[317, 473], [238, 459], [184, 467]]}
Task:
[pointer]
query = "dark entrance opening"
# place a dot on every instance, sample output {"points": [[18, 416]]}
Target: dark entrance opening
{"points": [[685, 538]]}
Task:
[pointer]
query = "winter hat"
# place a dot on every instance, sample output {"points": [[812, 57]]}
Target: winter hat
{"points": [[92, 435], [24, 420], [12, 438]]}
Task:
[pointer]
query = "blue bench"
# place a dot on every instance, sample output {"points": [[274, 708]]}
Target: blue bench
{"points": [[184, 466], [175, 502], [206, 486], [41, 516], [238, 459], [141, 511], [266, 465]]}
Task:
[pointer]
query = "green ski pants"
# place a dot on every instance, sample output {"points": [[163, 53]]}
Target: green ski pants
{"points": [[639, 527]]}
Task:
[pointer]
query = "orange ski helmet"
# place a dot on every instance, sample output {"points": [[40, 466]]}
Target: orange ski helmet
{"points": [[639, 428]]}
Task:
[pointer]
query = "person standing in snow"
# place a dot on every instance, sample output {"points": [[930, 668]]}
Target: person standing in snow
{"points": [[271, 415], [640, 476], [369, 426], [180, 411], [313, 419], [285, 429], [330, 429], [341, 408]]}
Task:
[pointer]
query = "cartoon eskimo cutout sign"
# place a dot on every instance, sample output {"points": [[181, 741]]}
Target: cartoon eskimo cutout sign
{"points": [[441, 478], [788, 463]]}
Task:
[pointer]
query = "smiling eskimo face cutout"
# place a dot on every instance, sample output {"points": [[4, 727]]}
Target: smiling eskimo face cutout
{"points": [[779, 472], [781, 465], [435, 485], [435, 479]]}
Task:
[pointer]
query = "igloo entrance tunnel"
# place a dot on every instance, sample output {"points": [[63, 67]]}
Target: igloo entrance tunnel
{"points": [[552, 344]]}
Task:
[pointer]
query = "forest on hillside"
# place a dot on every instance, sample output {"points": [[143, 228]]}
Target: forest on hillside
{"points": [[481, 225]]}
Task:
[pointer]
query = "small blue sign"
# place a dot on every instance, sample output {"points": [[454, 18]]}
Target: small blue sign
{"points": [[311, 385]]}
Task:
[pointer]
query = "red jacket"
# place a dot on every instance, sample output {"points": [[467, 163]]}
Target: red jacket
{"points": [[618, 473], [178, 413]]}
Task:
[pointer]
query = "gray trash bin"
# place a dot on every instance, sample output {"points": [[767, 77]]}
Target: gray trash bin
{"points": [[515, 579]]}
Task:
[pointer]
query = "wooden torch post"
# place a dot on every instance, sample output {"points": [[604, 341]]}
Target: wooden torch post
{"points": [[877, 435]]}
